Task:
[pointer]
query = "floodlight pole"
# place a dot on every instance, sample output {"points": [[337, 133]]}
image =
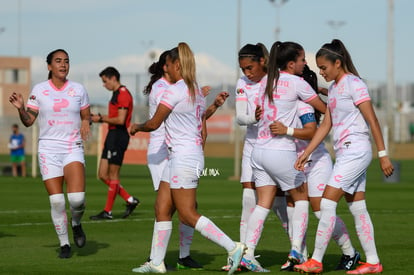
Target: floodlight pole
{"points": [[390, 78], [237, 131], [278, 4]]}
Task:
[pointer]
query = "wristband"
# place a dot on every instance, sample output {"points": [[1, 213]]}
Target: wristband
{"points": [[382, 153], [290, 131]]}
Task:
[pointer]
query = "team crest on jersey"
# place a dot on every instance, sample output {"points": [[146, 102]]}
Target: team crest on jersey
{"points": [[240, 91], [32, 97], [71, 92]]}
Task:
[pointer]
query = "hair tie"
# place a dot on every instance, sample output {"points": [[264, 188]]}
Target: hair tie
{"points": [[333, 52]]}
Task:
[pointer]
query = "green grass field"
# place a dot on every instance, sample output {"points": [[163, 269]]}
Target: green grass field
{"points": [[29, 245]]}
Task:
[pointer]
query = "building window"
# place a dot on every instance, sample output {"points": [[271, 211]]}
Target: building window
{"points": [[15, 76]]}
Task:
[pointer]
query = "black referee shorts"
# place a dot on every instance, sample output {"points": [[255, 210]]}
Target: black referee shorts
{"points": [[116, 143]]}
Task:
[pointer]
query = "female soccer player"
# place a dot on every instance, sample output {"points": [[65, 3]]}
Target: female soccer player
{"points": [[317, 171], [63, 109], [350, 115], [157, 154], [253, 60], [273, 156], [182, 107]]}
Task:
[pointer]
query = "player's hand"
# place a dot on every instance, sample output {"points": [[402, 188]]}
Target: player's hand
{"points": [[16, 100], [205, 90], [301, 161], [133, 129], [278, 128], [220, 99], [258, 112], [386, 166]]}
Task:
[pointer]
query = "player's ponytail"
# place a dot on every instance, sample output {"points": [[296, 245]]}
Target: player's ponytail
{"points": [[336, 51], [157, 71]]}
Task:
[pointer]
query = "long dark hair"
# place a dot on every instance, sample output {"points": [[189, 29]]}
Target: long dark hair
{"points": [[157, 71], [336, 51], [49, 59], [281, 54], [310, 76]]}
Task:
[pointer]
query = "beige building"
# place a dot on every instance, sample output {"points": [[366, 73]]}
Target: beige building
{"points": [[14, 76]]}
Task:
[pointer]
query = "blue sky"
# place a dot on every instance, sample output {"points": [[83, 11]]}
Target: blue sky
{"points": [[110, 31]]}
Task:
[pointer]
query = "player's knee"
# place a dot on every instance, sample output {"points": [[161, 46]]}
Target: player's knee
{"points": [[77, 200], [57, 202]]}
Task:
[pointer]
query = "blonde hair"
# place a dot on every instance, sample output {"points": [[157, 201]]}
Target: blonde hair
{"points": [[188, 68]]}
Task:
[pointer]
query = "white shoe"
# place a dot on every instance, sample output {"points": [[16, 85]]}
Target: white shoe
{"points": [[235, 257], [149, 267], [253, 265]]}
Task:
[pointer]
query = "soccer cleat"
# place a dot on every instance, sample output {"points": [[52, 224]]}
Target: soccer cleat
{"points": [[252, 265], [366, 268], [149, 267], [188, 263], [295, 257], [348, 262], [227, 268], [235, 257], [102, 216], [79, 236], [288, 266], [130, 207], [309, 267], [64, 252]]}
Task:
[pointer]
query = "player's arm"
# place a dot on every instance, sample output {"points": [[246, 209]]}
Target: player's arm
{"points": [[218, 102], [204, 130], [307, 132], [27, 116], [85, 125], [154, 123], [369, 115], [320, 134]]}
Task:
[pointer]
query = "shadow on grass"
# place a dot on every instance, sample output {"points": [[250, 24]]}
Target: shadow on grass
{"points": [[91, 247], [4, 235]]}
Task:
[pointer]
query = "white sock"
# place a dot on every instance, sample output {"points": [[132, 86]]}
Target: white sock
{"points": [[325, 227], [154, 239], [299, 224], [248, 205], [254, 228], [280, 209], [186, 238], [209, 230], [365, 230], [77, 206], [341, 236], [160, 241], [59, 218], [130, 199], [290, 210]]}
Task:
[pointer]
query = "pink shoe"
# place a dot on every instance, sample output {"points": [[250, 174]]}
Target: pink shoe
{"points": [[309, 267], [366, 268]]}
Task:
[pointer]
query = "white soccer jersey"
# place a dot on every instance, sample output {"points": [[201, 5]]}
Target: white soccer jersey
{"points": [[59, 115], [290, 88], [246, 101], [157, 137], [184, 124], [350, 130]]}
